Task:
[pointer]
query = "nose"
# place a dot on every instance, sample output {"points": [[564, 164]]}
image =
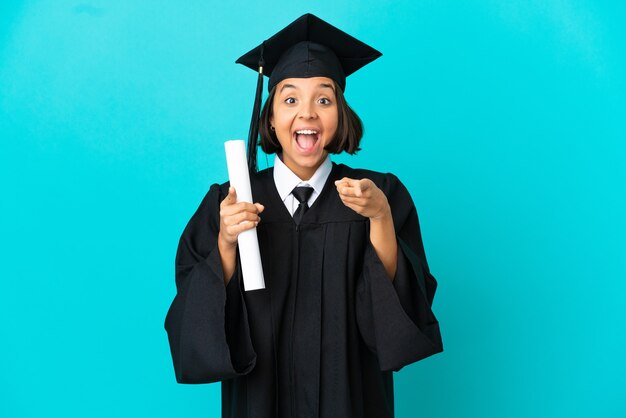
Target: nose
{"points": [[307, 111]]}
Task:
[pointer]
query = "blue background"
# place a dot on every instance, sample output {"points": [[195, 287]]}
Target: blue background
{"points": [[504, 119]]}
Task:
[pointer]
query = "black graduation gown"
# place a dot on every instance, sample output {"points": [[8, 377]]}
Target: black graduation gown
{"points": [[323, 337]]}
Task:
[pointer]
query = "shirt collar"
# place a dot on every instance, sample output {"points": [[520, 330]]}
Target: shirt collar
{"points": [[286, 180]]}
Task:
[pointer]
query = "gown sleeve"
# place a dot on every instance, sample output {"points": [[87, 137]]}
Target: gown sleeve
{"points": [[395, 319], [207, 323]]}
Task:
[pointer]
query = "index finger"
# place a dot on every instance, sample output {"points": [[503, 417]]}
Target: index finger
{"points": [[235, 208], [348, 182]]}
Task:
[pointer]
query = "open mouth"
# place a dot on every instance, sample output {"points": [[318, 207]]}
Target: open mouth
{"points": [[306, 139]]}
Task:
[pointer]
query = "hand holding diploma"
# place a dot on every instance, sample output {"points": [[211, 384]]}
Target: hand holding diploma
{"points": [[235, 218]]}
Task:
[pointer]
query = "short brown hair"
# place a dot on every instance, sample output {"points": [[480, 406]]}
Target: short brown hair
{"points": [[347, 138]]}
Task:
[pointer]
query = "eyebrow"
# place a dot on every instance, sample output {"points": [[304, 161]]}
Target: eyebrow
{"points": [[322, 85], [286, 86]]}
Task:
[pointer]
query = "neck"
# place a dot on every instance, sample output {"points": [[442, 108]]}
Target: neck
{"points": [[304, 173]]}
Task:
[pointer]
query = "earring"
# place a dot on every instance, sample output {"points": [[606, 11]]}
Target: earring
{"points": [[272, 128]]}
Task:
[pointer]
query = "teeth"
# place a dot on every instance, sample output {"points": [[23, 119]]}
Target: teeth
{"points": [[306, 132]]}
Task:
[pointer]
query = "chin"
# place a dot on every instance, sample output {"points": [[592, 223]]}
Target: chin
{"points": [[312, 160]]}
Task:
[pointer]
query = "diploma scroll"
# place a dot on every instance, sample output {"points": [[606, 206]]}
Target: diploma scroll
{"points": [[248, 242]]}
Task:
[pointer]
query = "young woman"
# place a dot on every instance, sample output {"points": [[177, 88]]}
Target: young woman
{"points": [[348, 291]]}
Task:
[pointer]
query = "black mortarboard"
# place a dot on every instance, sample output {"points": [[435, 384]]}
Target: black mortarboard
{"points": [[307, 47]]}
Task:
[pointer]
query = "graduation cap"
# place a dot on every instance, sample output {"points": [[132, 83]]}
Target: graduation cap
{"points": [[307, 47]]}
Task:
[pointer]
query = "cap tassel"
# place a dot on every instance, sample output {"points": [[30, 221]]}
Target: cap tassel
{"points": [[253, 134]]}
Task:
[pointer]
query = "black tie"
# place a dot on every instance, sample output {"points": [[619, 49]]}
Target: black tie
{"points": [[302, 195]]}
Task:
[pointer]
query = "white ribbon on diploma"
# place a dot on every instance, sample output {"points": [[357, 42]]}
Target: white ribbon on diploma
{"points": [[248, 242]]}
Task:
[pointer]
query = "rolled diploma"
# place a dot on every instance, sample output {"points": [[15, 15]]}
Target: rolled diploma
{"points": [[248, 242]]}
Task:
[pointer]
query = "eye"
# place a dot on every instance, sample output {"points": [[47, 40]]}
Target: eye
{"points": [[324, 101], [290, 100]]}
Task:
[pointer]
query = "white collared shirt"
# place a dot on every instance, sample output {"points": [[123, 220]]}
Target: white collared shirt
{"points": [[286, 181]]}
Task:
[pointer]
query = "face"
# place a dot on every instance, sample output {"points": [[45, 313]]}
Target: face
{"points": [[305, 121]]}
